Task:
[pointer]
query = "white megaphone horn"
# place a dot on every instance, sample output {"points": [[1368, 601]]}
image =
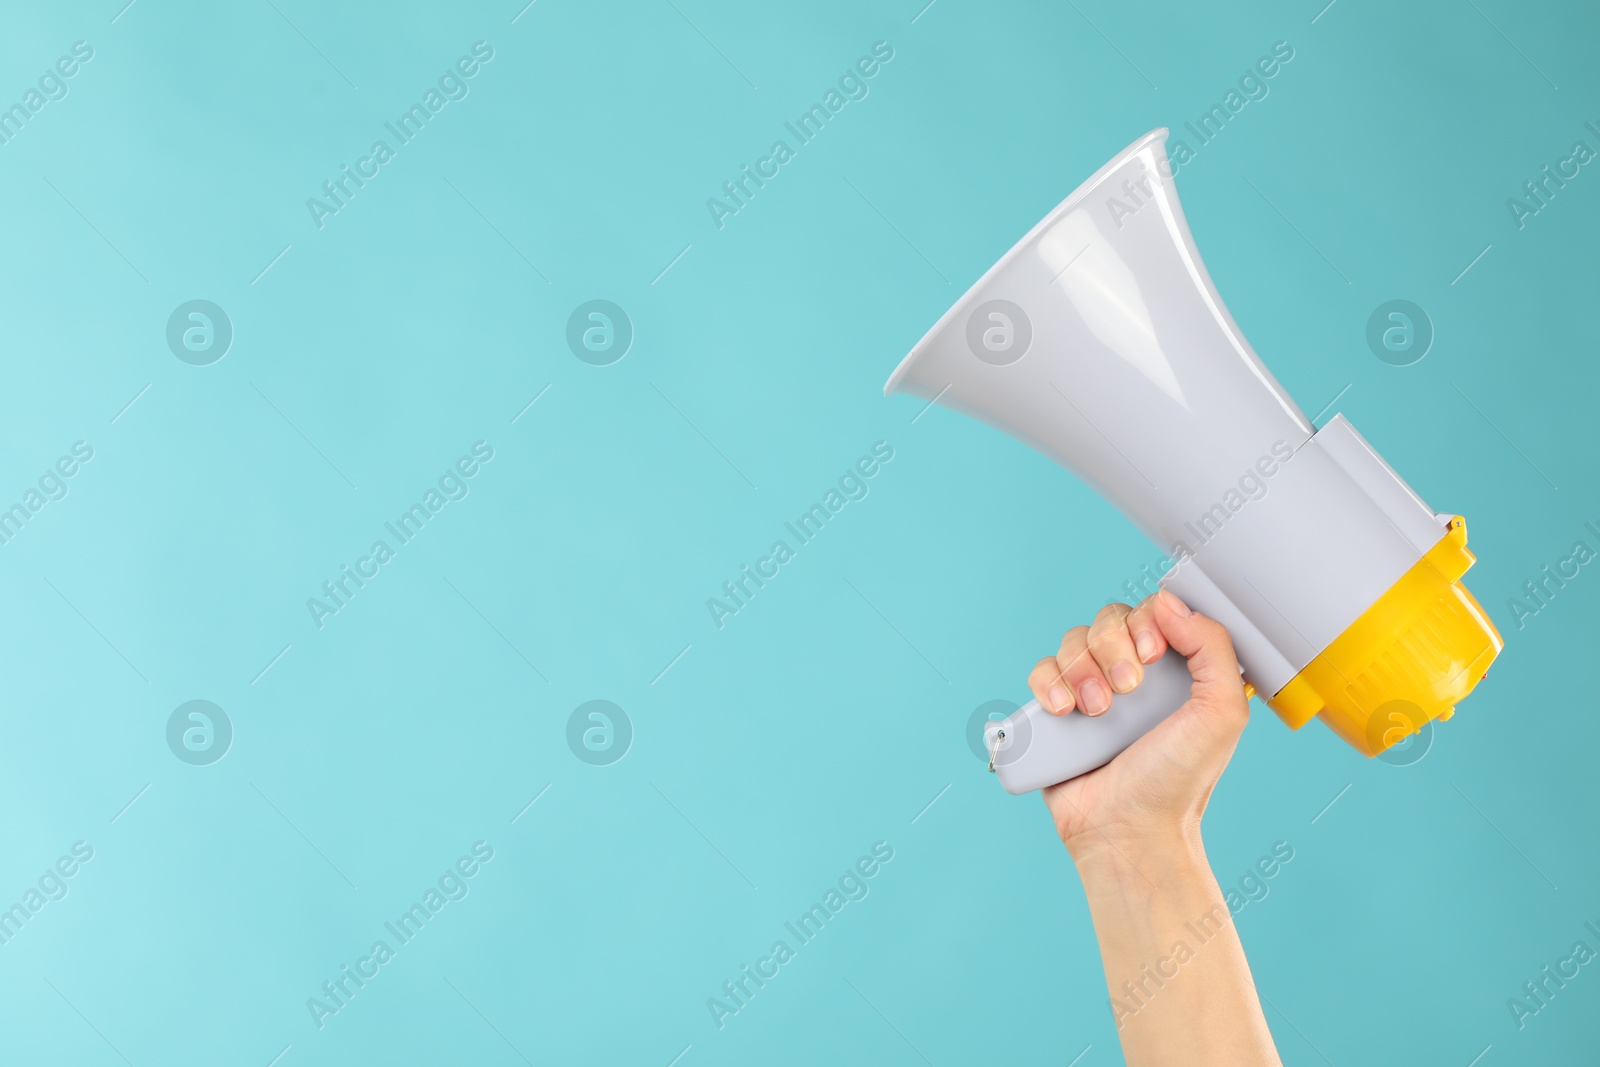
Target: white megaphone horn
{"points": [[1100, 341]]}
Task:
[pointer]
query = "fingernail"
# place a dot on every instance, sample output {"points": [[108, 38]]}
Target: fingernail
{"points": [[1123, 676], [1060, 699], [1178, 607], [1146, 646], [1095, 700]]}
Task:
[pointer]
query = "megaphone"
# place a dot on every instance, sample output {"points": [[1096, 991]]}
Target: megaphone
{"points": [[1100, 340]]}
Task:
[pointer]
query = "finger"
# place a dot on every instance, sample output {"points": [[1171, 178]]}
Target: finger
{"points": [[1048, 688], [1082, 674], [1209, 649], [1112, 648], [1148, 640]]}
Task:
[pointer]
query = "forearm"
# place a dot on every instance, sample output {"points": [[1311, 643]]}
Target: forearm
{"points": [[1181, 991]]}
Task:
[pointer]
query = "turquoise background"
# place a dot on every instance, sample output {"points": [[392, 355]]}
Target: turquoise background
{"points": [[829, 714]]}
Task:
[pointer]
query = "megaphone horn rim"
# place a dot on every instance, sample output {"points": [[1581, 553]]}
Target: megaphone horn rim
{"points": [[970, 297]]}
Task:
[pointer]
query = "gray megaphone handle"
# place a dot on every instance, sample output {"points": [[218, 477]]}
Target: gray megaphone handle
{"points": [[1033, 749]]}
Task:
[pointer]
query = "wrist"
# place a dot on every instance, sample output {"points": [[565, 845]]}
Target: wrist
{"points": [[1148, 856]]}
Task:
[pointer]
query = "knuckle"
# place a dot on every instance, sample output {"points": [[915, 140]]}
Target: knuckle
{"points": [[1218, 641], [1108, 642], [1074, 665], [1215, 631], [1113, 612], [1073, 641]]}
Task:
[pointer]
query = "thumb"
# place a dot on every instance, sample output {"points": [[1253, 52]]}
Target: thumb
{"points": [[1205, 643]]}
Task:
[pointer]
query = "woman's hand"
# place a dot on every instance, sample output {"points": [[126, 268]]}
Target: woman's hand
{"points": [[1133, 828], [1151, 797]]}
